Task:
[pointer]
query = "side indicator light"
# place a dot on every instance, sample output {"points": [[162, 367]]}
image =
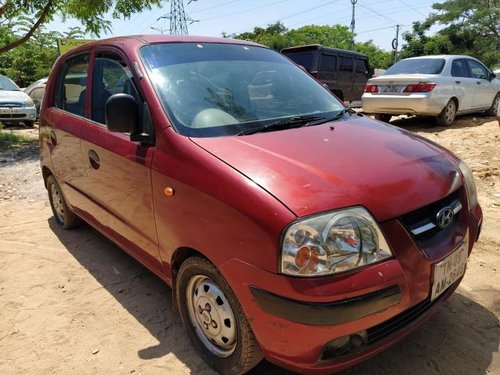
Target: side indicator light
{"points": [[169, 191]]}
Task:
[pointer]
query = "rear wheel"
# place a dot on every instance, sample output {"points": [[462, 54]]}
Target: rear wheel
{"points": [[448, 114], [62, 214], [493, 111], [214, 319], [383, 117]]}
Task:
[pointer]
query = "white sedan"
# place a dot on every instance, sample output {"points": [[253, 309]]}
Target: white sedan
{"points": [[439, 86]]}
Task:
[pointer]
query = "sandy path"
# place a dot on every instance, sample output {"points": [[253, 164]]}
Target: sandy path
{"points": [[73, 303]]}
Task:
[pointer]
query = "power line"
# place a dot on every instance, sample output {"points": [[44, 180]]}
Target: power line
{"points": [[214, 6], [380, 14], [178, 18], [243, 11], [412, 8]]}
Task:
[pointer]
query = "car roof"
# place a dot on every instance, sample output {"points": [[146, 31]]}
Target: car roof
{"points": [[319, 47], [447, 57], [158, 38]]}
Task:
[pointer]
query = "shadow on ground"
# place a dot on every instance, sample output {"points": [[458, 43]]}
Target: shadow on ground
{"points": [[428, 124], [440, 346]]}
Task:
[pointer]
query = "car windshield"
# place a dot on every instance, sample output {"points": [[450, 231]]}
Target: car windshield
{"points": [[7, 85], [417, 66], [215, 89]]}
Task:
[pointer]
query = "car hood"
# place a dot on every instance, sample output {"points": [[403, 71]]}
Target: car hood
{"points": [[12, 95], [358, 161]]}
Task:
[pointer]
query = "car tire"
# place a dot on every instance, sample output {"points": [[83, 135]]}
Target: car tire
{"points": [[225, 340], [448, 114], [29, 124], [494, 107], [62, 214], [382, 117]]}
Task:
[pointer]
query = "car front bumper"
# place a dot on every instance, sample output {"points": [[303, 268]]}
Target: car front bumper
{"points": [[18, 114], [425, 104], [295, 319]]}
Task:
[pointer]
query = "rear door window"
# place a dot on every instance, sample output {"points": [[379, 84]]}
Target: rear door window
{"points": [[459, 68], [72, 85], [328, 63], [346, 64]]}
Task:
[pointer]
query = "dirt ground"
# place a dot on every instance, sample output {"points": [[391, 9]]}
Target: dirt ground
{"points": [[73, 303]]}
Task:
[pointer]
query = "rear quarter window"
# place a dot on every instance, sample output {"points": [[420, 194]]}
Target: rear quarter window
{"points": [[302, 58], [346, 64]]}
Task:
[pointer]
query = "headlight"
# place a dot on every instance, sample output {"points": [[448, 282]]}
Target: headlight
{"points": [[331, 243], [29, 103], [470, 185]]}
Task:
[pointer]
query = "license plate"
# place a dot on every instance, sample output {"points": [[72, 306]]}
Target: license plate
{"points": [[5, 111], [449, 270], [391, 89]]}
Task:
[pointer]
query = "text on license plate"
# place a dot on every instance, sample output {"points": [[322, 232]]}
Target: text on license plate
{"points": [[449, 270], [391, 89], [5, 111]]}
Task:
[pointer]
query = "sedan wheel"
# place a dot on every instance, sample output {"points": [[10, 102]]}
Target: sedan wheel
{"points": [[448, 114]]}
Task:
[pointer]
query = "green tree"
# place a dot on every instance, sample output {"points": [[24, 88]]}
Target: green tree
{"points": [[471, 27], [35, 13], [277, 37]]}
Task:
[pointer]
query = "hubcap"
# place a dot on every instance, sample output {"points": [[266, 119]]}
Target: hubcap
{"points": [[211, 315], [57, 203], [450, 112]]}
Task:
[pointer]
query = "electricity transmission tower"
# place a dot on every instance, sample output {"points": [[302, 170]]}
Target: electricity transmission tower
{"points": [[178, 18]]}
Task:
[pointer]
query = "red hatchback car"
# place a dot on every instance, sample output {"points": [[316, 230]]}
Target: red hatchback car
{"points": [[287, 227]]}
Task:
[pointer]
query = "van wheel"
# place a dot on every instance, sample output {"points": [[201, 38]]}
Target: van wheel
{"points": [[62, 214], [383, 117], [448, 114], [214, 319], [493, 111]]}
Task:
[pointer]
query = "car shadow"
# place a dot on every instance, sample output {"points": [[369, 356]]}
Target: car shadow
{"points": [[428, 124], [447, 344]]}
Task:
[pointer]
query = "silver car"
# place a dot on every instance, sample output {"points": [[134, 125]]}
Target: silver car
{"points": [[439, 86], [15, 105]]}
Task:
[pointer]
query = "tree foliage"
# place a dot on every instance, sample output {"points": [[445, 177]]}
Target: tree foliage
{"points": [[277, 37], [471, 27], [90, 13]]}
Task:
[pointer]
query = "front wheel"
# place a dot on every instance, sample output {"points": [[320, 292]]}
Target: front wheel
{"points": [[29, 124], [448, 114], [495, 108], [214, 319]]}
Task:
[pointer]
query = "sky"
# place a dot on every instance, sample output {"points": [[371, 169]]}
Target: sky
{"points": [[375, 20]]}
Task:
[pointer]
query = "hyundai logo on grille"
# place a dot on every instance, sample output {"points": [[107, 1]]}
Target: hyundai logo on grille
{"points": [[444, 217]]}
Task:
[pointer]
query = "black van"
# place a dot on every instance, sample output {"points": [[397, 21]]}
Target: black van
{"points": [[345, 72]]}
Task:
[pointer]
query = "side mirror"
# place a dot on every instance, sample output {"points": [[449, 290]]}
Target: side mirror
{"points": [[492, 77], [122, 113]]}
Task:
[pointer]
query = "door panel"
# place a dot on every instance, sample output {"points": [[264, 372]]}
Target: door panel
{"points": [[346, 76], [465, 87], [484, 91]]}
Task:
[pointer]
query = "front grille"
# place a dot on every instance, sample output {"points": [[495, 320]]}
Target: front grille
{"points": [[422, 224], [12, 115], [11, 105]]}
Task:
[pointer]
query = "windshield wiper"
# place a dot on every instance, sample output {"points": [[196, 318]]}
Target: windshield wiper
{"points": [[335, 117], [283, 124]]}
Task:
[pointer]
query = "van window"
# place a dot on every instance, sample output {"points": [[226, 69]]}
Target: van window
{"points": [[346, 64], [360, 66], [111, 76], [302, 58], [72, 85], [328, 63]]}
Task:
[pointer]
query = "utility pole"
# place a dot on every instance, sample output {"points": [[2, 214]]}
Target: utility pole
{"points": [[178, 18], [395, 43], [353, 22]]}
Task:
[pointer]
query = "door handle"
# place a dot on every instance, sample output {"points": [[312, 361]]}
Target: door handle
{"points": [[458, 82], [94, 159], [478, 82]]}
